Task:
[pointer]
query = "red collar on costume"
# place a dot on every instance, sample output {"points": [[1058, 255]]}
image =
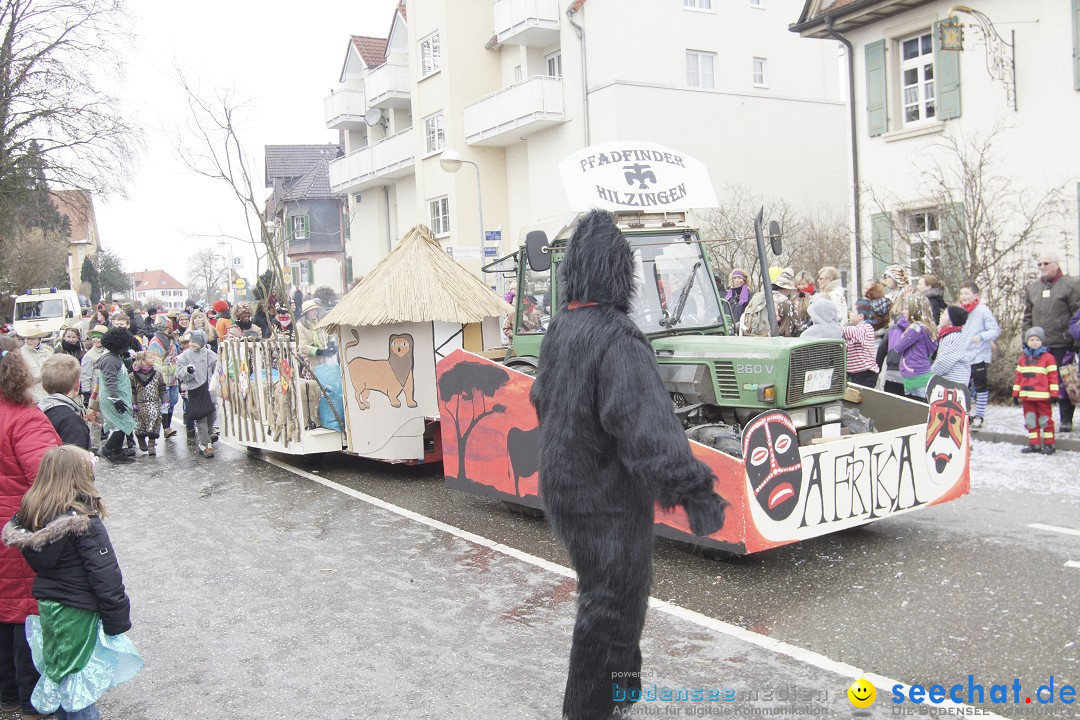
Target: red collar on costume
{"points": [[971, 305], [578, 304]]}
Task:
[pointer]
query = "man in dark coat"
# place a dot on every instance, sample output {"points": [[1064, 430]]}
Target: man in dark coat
{"points": [[1049, 303], [298, 302], [610, 448]]}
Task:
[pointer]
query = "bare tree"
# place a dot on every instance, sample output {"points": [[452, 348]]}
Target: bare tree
{"points": [[212, 147], [988, 227], [207, 271], [54, 56], [809, 243]]}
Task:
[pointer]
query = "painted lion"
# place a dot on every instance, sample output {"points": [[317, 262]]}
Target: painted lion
{"points": [[390, 376]]}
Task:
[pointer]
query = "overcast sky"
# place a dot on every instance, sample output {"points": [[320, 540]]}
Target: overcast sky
{"points": [[281, 55]]}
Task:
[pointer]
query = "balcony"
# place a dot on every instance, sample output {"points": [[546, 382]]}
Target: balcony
{"points": [[388, 86], [387, 159], [345, 109], [504, 117], [527, 22]]}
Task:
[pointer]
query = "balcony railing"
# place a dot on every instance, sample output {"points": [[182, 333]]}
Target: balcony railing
{"points": [[345, 109], [388, 86], [391, 157], [527, 22], [503, 117]]}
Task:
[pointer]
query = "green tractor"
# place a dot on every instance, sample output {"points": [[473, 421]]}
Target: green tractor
{"points": [[718, 380]]}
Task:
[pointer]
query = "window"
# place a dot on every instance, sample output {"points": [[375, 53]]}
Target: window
{"points": [[299, 227], [517, 74], [699, 69], [433, 130], [697, 4], [554, 64], [924, 240], [917, 78], [430, 54], [439, 210], [759, 71]]}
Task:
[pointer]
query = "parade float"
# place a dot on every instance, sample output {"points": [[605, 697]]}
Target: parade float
{"points": [[796, 452], [416, 306]]}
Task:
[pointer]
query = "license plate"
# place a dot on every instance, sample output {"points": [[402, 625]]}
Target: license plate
{"points": [[817, 380]]}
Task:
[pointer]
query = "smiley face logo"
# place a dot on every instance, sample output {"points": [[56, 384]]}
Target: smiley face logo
{"points": [[861, 693]]}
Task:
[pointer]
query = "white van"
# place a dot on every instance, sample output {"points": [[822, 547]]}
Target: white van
{"points": [[47, 309]]}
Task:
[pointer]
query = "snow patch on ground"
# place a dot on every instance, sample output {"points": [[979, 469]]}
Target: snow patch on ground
{"points": [[1001, 466]]}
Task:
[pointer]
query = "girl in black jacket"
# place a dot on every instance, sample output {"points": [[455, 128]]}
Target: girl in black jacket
{"points": [[80, 591]]}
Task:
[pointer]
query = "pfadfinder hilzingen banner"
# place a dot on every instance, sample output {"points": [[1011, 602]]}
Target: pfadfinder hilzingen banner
{"points": [[631, 175]]}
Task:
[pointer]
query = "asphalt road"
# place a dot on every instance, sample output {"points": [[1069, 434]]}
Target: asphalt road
{"points": [[259, 592], [933, 596]]}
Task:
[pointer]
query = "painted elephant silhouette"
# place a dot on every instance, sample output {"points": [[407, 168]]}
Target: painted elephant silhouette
{"points": [[523, 453]]}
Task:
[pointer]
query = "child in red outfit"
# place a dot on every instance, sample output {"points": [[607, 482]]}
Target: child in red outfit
{"points": [[1035, 387]]}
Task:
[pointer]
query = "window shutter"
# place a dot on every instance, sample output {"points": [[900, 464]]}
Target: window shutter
{"points": [[309, 267], [881, 245], [307, 226], [954, 260], [348, 271], [877, 111], [1076, 43], [946, 80]]}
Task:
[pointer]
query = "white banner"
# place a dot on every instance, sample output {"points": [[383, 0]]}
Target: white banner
{"points": [[634, 175]]}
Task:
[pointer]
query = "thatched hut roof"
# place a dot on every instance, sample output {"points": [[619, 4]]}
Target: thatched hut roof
{"points": [[417, 282]]}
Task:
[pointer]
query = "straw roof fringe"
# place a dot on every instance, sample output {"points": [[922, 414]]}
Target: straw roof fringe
{"points": [[417, 282]]}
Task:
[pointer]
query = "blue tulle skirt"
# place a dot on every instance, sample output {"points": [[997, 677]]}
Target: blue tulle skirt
{"points": [[114, 660]]}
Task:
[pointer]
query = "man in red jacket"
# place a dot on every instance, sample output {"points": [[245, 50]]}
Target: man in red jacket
{"points": [[25, 435], [1036, 386]]}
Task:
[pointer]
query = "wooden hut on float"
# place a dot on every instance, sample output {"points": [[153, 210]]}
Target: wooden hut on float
{"points": [[414, 308]]}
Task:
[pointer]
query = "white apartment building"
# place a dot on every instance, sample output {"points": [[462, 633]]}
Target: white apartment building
{"points": [[503, 84], [910, 95]]}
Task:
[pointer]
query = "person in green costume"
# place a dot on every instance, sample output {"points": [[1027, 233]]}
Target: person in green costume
{"points": [[78, 642], [114, 390]]}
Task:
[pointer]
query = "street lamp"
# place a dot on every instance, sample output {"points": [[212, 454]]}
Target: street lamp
{"points": [[451, 161], [230, 294]]}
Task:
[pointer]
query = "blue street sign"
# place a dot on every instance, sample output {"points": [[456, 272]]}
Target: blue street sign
{"points": [[493, 236], [490, 252]]}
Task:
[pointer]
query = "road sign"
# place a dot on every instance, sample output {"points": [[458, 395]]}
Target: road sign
{"points": [[286, 275], [493, 236], [491, 252], [238, 261], [240, 283]]}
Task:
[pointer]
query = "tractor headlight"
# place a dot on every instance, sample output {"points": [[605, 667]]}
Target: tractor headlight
{"points": [[766, 393], [801, 418], [832, 413]]}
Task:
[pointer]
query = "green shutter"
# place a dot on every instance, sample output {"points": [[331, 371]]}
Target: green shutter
{"points": [[877, 111], [310, 271], [348, 271], [946, 80], [288, 230], [954, 260], [307, 227], [1076, 43], [881, 242]]}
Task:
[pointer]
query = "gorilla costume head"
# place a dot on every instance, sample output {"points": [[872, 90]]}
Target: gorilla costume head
{"points": [[599, 264], [117, 341]]}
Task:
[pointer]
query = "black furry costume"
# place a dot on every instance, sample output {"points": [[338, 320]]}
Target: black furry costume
{"points": [[610, 446]]}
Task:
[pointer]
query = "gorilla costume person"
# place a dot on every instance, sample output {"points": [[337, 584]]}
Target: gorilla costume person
{"points": [[610, 447]]}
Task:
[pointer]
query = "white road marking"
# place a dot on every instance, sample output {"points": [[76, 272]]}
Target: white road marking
{"points": [[1072, 564], [1054, 528], [809, 657]]}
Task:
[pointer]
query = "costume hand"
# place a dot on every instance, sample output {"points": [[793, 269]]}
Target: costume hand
{"points": [[1016, 401], [706, 514], [121, 406]]}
